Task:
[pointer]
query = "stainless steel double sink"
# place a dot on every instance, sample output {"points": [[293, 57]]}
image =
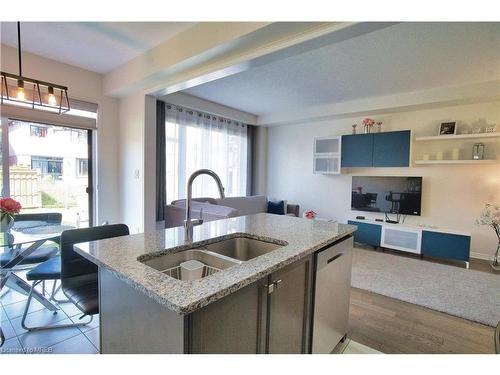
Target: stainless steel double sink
{"points": [[215, 256]]}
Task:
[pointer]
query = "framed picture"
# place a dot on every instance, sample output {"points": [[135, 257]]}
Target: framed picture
{"points": [[448, 128]]}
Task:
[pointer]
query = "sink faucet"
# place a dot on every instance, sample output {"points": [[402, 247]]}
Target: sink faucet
{"points": [[190, 223]]}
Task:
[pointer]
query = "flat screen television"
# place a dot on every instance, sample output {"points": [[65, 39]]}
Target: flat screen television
{"points": [[392, 195]]}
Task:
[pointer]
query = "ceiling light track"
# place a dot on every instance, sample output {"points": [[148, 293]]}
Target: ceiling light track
{"points": [[41, 95]]}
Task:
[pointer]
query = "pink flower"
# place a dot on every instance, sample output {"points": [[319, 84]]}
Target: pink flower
{"points": [[9, 206], [310, 214], [368, 122]]}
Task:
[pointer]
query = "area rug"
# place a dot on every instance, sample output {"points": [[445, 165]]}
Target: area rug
{"points": [[465, 293]]}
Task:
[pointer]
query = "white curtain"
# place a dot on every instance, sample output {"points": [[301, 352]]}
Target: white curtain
{"points": [[196, 140]]}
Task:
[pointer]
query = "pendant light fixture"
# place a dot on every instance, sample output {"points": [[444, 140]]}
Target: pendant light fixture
{"points": [[20, 90]]}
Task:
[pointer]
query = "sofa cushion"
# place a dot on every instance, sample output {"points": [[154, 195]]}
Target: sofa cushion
{"points": [[276, 207], [245, 205]]}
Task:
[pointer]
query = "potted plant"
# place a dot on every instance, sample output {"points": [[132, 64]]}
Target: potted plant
{"points": [[490, 216], [8, 208]]}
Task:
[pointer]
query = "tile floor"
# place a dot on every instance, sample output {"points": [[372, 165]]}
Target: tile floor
{"points": [[70, 340]]}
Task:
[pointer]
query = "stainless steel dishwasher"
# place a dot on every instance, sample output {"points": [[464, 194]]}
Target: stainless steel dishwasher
{"points": [[331, 297]]}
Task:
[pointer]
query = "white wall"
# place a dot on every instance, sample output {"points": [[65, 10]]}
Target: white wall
{"points": [[452, 195], [87, 86], [131, 161]]}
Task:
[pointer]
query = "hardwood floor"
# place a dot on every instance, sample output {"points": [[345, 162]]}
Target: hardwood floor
{"points": [[393, 326]]}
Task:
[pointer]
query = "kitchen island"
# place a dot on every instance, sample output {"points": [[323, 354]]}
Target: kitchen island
{"points": [[269, 303]]}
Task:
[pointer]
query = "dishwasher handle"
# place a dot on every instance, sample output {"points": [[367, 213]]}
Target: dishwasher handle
{"points": [[332, 253], [334, 257]]}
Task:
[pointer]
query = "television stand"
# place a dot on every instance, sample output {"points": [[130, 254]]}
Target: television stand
{"points": [[424, 241]]}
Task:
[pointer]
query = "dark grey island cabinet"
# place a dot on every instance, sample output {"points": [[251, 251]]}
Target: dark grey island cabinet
{"points": [[267, 316], [274, 314]]}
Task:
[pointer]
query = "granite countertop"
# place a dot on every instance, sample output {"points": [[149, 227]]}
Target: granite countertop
{"points": [[120, 255]]}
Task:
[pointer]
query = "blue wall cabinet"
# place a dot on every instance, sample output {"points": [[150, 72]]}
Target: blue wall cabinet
{"points": [[357, 150], [369, 234], [391, 149], [446, 245]]}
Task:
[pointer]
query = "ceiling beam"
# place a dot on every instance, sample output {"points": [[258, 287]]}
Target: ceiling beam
{"points": [[180, 51], [210, 51]]}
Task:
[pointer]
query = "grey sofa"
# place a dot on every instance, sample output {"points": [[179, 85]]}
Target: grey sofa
{"points": [[220, 208]]}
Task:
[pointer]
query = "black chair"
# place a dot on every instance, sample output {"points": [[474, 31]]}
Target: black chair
{"points": [[78, 275], [44, 252]]}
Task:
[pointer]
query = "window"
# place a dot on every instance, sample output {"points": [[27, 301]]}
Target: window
{"points": [[82, 166], [196, 140], [78, 136], [38, 131], [48, 166]]}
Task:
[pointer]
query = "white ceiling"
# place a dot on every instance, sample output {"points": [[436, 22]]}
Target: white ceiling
{"points": [[96, 46], [401, 58]]}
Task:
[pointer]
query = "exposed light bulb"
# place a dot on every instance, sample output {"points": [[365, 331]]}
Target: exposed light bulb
{"points": [[20, 90], [51, 99], [20, 94]]}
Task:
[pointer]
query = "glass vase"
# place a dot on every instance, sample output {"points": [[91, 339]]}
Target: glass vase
{"points": [[6, 223]]}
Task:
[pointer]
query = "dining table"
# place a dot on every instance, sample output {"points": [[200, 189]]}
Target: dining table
{"points": [[20, 241]]}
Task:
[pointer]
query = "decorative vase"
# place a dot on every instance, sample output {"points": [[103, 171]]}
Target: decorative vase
{"points": [[379, 127], [495, 262], [6, 223], [367, 129], [354, 128], [478, 151]]}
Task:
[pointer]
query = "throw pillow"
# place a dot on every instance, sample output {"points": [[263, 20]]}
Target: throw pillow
{"points": [[276, 207]]}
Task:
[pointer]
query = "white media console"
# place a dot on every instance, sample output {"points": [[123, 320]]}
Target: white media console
{"points": [[425, 241]]}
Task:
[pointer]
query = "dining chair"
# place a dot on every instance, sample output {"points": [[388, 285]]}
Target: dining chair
{"points": [[79, 277]]}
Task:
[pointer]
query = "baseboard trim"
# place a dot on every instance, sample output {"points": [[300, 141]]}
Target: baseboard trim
{"points": [[480, 256]]}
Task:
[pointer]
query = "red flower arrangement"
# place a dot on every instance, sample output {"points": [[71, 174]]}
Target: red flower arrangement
{"points": [[368, 122], [9, 207], [310, 214]]}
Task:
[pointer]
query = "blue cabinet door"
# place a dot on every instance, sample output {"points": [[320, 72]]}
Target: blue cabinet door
{"points": [[446, 245], [391, 149], [369, 234], [357, 150]]}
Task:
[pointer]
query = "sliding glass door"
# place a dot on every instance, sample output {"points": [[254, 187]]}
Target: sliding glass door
{"points": [[48, 168]]}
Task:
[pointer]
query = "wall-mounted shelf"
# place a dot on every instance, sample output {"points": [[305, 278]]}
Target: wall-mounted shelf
{"points": [[441, 162], [457, 137]]}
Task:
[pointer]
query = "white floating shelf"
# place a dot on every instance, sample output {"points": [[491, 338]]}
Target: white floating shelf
{"points": [[437, 162], [457, 137]]}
